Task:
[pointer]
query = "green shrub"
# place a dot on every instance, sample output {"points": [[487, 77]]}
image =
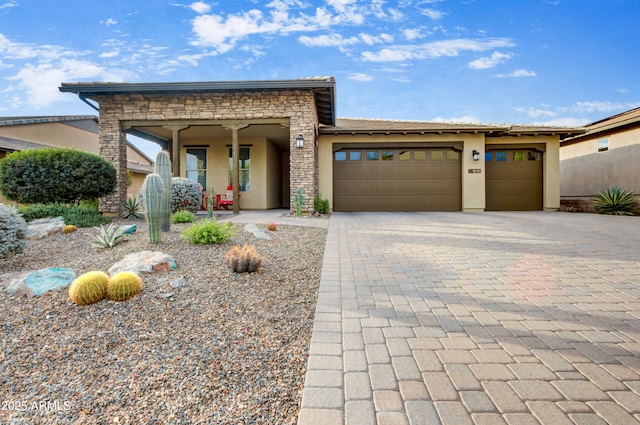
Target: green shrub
{"points": [[321, 205], [183, 217], [13, 232], [78, 215], [209, 232], [615, 201], [55, 175]]}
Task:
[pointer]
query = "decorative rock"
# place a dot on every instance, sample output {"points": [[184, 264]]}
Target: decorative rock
{"points": [[129, 229], [43, 227], [178, 283], [143, 262], [40, 281], [259, 234]]}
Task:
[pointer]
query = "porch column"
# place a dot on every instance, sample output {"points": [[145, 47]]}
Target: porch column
{"points": [[175, 147], [235, 168]]}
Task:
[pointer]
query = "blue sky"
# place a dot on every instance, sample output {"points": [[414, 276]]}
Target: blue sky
{"points": [[556, 62]]}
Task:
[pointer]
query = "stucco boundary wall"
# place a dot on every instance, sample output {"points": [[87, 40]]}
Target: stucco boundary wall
{"points": [[583, 204], [298, 106]]}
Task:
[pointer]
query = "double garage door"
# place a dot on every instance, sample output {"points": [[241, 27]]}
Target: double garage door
{"points": [[399, 178]]}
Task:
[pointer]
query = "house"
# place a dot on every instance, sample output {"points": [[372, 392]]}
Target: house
{"points": [[607, 155], [269, 139], [77, 132]]}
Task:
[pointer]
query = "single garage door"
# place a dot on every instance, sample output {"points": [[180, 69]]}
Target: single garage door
{"points": [[514, 179], [397, 179]]}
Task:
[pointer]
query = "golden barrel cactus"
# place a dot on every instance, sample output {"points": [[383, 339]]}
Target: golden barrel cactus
{"points": [[123, 286], [89, 288], [69, 228]]}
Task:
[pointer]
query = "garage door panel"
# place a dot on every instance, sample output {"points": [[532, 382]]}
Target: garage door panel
{"points": [[415, 183], [514, 180]]}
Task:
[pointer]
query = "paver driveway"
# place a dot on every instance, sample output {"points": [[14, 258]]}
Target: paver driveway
{"points": [[477, 318]]}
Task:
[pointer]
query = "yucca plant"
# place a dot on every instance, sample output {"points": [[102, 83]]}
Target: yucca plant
{"points": [[615, 200], [109, 236], [132, 208]]}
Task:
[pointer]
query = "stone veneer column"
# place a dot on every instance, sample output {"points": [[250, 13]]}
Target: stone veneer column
{"points": [[113, 147]]}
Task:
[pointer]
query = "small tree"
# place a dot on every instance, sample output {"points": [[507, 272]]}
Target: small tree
{"points": [[55, 175]]}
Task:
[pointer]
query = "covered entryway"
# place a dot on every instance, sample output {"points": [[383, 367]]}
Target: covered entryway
{"points": [[514, 178], [397, 178]]}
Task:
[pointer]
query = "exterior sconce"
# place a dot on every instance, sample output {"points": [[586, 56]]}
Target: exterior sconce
{"points": [[476, 155], [299, 141]]}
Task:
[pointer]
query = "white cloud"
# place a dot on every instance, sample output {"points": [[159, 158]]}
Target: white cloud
{"points": [[370, 40], [360, 77], [9, 5], [111, 54], [432, 14], [564, 122], [486, 62], [109, 22], [536, 112], [200, 7], [328, 40], [597, 106], [518, 73], [412, 34], [449, 48]]}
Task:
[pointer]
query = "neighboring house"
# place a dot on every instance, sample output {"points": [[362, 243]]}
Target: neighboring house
{"points": [[270, 138], [607, 155], [77, 132]]}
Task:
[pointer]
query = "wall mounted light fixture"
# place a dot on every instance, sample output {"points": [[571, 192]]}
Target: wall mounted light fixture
{"points": [[476, 155], [299, 141]]}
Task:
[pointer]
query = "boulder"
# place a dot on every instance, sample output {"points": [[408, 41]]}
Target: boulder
{"points": [[43, 227], [40, 281], [144, 262]]}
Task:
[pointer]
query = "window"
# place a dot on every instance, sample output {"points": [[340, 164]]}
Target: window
{"points": [[488, 156], [355, 156], [419, 155], [197, 166], [437, 155], [404, 156], [244, 163], [518, 156], [501, 156], [341, 156], [533, 156], [603, 145], [372, 156], [387, 155], [452, 155]]}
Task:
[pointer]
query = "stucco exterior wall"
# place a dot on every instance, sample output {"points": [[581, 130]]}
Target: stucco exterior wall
{"points": [[296, 105], [584, 171]]}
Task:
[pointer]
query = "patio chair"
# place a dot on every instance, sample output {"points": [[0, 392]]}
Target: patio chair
{"points": [[226, 201]]}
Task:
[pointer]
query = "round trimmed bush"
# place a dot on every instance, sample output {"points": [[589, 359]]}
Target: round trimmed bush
{"points": [[55, 175], [186, 195], [123, 286], [13, 232], [183, 217], [89, 288]]}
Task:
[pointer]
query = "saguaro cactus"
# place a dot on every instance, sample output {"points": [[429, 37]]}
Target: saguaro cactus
{"points": [[153, 194], [163, 169]]}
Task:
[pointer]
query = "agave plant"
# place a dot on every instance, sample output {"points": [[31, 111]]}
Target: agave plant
{"points": [[615, 201], [132, 208], [109, 236]]}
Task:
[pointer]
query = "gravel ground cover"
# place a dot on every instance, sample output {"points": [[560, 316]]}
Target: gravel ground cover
{"points": [[223, 349]]}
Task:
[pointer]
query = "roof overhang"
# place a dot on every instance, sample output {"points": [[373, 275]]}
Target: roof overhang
{"points": [[322, 87]]}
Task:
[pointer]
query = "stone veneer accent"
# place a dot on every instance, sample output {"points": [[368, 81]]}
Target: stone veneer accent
{"points": [[296, 105]]}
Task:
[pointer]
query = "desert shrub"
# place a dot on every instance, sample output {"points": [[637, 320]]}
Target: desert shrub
{"points": [[272, 226], [186, 195], [109, 236], [209, 232], [183, 217], [615, 201], [243, 260], [55, 175], [320, 204], [13, 232], [78, 215]]}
